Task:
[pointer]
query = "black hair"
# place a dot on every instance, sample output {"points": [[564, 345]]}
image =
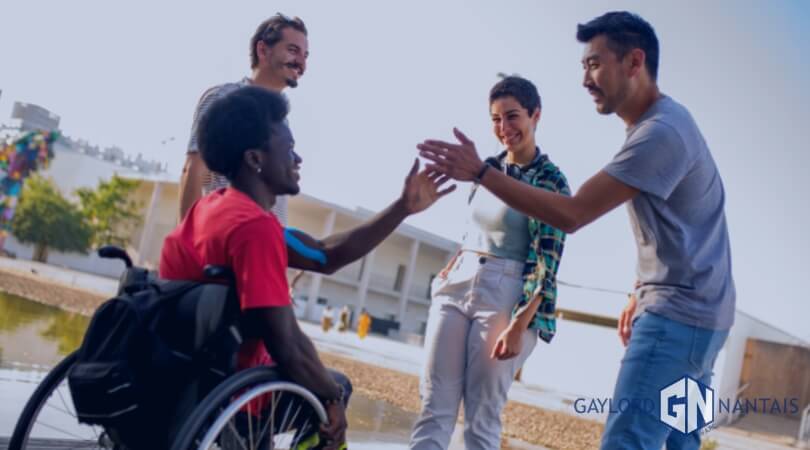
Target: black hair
{"points": [[238, 122], [523, 90], [624, 31], [271, 31]]}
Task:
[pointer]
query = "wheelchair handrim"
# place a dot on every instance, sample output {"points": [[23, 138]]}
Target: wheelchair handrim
{"points": [[251, 394]]}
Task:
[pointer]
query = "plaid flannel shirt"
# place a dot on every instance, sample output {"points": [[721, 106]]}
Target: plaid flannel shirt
{"points": [[545, 251]]}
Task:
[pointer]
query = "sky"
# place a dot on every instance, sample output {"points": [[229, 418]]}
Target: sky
{"points": [[383, 76]]}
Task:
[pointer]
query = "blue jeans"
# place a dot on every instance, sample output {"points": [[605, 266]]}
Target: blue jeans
{"points": [[661, 351]]}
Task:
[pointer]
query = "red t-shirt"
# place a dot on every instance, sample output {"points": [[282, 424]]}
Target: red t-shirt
{"points": [[228, 228]]}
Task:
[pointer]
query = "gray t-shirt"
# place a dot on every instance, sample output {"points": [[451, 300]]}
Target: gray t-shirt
{"points": [[678, 219], [211, 180], [496, 228]]}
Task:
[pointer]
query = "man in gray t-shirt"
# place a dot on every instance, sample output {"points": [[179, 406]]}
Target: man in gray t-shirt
{"points": [[677, 321], [684, 259]]}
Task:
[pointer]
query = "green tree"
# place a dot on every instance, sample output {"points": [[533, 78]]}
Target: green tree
{"points": [[111, 211], [46, 219]]}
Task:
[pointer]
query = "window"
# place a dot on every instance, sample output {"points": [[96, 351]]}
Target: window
{"points": [[430, 283], [362, 268], [400, 278]]}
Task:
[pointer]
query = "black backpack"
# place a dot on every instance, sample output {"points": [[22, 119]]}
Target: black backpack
{"points": [[150, 355]]}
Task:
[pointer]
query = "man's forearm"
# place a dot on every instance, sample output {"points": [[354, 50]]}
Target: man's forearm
{"points": [[305, 368], [190, 183], [557, 210], [600, 194], [344, 248]]}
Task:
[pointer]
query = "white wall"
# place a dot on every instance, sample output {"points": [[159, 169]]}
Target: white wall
{"points": [[311, 223], [415, 315], [90, 263], [429, 261], [389, 255]]}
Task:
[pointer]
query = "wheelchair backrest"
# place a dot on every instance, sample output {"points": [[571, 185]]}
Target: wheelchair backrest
{"points": [[145, 347]]}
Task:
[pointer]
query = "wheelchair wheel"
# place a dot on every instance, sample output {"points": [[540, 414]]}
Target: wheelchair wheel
{"points": [[253, 409], [49, 417]]}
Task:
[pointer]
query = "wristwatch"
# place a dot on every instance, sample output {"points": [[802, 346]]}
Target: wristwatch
{"points": [[481, 173]]}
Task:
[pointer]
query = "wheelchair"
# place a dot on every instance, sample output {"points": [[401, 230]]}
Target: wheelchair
{"points": [[249, 409]]}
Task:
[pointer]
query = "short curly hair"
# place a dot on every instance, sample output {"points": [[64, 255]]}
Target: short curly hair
{"points": [[236, 123], [523, 90]]}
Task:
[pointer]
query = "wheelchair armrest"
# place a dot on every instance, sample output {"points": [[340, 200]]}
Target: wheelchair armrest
{"points": [[213, 272], [134, 279]]}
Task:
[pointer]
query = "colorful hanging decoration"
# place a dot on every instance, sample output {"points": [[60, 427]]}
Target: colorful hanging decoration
{"points": [[18, 159]]}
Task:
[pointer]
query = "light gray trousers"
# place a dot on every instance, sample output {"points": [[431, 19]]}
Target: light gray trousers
{"points": [[470, 308]]}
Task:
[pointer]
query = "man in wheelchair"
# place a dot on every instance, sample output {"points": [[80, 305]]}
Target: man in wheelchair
{"points": [[244, 136]]}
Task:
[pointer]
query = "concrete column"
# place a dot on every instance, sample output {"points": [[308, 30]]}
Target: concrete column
{"points": [[315, 284], [362, 291], [148, 223], [406, 285]]}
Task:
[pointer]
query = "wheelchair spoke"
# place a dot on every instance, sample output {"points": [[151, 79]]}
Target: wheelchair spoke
{"points": [[64, 403], [60, 430], [273, 404], [61, 410], [258, 412], [250, 423], [69, 411], [295, 416], [302, 433], [236, 436], [286, 415]]}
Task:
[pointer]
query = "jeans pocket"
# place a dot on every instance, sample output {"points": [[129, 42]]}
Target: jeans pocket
{"points": [[648, 330], [697, 352], [706, 345]]}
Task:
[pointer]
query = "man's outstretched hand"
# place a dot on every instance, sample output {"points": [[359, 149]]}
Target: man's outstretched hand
{"points": [[422, 189], [457, 161]]}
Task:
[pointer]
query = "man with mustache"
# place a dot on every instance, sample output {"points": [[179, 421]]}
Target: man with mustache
{"points": [[679, 317], [278, 58]]}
